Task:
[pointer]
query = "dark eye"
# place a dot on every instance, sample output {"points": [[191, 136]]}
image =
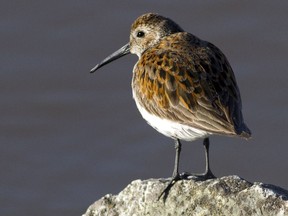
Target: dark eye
{"points": [[140, 34]]}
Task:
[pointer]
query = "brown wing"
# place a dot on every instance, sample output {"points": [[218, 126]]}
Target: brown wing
{"points": [[192, 84]]}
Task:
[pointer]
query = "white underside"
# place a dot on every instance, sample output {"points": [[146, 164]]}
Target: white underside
{"points": [[171, 129]]}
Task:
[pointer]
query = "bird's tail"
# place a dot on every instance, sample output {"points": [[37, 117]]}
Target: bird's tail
{"points": [[245, 132]]}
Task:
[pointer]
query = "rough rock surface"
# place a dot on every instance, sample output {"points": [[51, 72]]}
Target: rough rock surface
{"points": [[228, 195]]}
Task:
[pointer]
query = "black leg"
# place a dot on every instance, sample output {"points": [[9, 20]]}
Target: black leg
{"points": [[178, 147], [175, 175], [208, 174]]}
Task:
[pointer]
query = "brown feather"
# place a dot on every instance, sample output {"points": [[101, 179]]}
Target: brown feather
{"points": [[191, 82]]}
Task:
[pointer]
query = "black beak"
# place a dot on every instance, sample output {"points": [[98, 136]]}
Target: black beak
{"points": [[119, 53]]}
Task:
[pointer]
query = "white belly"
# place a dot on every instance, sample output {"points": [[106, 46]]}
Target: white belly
{"points": [[171, 129]]}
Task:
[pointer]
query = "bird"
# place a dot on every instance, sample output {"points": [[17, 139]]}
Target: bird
{"points": [[183, 86]]}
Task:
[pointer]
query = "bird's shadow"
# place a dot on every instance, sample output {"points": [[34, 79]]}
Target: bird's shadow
{"points": [[182, 176]]}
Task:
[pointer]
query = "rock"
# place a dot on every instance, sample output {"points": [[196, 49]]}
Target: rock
{"points": [[229, 195]]}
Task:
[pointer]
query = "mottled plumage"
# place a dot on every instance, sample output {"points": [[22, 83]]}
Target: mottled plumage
{"points": [[191, 82], [183, 86]]}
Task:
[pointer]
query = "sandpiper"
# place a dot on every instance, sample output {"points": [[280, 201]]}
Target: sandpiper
{"points": [[183, 86]]}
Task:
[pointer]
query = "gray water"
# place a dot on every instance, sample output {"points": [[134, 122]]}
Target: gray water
{"points": [[68, 137]]}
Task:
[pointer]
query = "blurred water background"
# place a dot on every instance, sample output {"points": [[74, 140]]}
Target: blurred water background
{"points": [[68, 137]]}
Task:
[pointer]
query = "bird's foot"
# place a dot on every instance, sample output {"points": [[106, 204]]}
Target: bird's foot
{"points": [[184, 176], [200, 177], [173, 180]]}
